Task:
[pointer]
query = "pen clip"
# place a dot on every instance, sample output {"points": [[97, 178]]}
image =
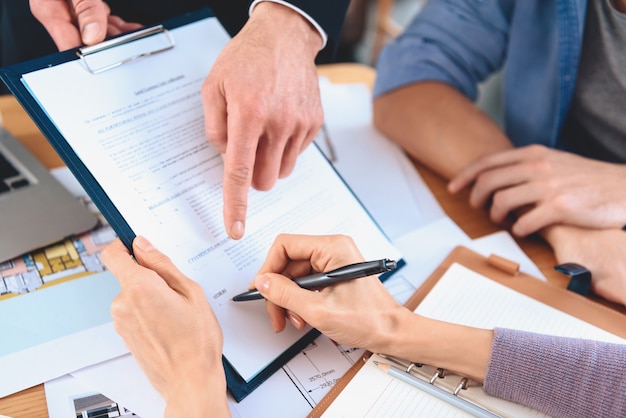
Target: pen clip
{"points": [[363, 269]]}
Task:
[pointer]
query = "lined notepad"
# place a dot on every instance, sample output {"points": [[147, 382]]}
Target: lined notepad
{"points": [[465, 297]]}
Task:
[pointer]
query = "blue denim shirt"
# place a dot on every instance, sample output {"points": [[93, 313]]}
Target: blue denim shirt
{"points": [[462, 42]]}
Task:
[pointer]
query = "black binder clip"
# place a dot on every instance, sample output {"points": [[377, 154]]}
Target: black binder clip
{"points": [[580, 281]]}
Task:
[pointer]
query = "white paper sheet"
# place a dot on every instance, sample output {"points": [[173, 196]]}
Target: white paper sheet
{"points": [[426, 247], [377, 170]]}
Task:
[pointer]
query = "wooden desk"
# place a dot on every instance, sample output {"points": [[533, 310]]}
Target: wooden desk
{"points": [[31, 403]]}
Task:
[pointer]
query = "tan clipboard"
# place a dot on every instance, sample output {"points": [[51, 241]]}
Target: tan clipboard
{"points": [[564, 300]]}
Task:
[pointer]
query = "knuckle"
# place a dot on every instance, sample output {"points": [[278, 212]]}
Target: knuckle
{"points": [[552, 186], [562, 204], [240, 175], [317, 120], [498, 201], [118, 308], [279, 295], [86, 6], [265, 174], [208, 87], [239, 205], [345, 240], [535, 148], [158, 261], [542, 165], [105, 255], [215, 134], [193, 287], [115, 307], [255, 111], [217, 141], [498, 209]]}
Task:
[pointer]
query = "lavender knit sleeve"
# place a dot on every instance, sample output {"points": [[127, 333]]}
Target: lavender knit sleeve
{"points": [[563, 377]]}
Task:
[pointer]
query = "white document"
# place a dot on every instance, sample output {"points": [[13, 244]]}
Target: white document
{"points": [[377, 169], [426, 247], [139, 128]]}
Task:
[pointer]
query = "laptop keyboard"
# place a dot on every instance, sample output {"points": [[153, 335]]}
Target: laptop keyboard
{"points": [[10, 177]]}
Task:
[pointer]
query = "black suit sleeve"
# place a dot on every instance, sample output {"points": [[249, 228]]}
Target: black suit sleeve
{"points": [[329, 14]]}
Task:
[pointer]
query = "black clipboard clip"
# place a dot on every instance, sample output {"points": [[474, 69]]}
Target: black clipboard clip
{"points": [[99, 58]]}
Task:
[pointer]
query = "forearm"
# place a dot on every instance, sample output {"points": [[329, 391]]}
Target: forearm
{"points": [[199, 398], [291, 25], [559, 376], [437, 126], [463, 350]]}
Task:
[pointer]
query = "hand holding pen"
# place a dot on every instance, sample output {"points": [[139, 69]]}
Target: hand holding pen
{"points": [[354, 313], [341, 274]]}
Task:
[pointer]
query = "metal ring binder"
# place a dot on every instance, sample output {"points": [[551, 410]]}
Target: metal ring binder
{"points": [[411, 366], [439, 373], [461, 386], [84, 52]]}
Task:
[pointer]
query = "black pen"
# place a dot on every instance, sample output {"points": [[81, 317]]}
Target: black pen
{"points": [[341, 274]]}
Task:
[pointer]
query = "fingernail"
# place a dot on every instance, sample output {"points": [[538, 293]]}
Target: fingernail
{"points": [[262, 282], [295, 321], [143, 244], [91, 33], [236, 231]]}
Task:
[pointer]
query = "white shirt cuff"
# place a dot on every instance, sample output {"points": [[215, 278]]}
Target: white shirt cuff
{"points": [[305, 15]]}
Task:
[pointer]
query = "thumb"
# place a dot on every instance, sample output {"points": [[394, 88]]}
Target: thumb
{"points": [[148, 256], [91, 16], [283, 293]]}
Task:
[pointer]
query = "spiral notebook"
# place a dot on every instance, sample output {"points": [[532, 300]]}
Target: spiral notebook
{"points": [[467, 288]]}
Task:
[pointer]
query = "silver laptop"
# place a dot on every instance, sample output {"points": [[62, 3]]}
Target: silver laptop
{"points": [[35, 209]]}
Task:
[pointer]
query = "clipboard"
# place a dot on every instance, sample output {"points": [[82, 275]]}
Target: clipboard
{"points": [[13, 76], [499, 270]]}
